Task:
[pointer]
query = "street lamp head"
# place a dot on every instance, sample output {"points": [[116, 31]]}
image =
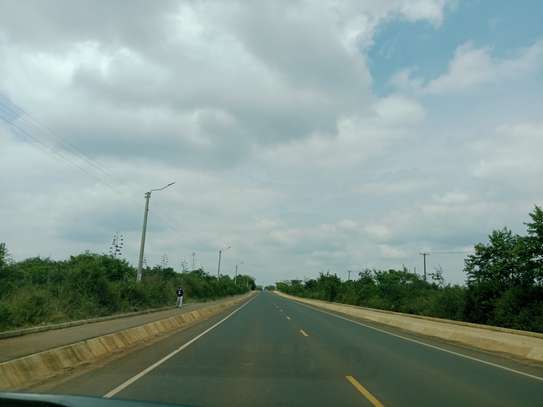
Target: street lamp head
{"points": [[163, 188]]}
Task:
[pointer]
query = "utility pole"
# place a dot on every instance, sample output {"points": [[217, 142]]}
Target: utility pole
{"points": [[349, 274], [144, 229], [438, 252], [236, 272], [193, 260], [424, 254]]}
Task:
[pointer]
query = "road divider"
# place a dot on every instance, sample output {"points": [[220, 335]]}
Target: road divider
{"points": [[30, 370], [516, 343]]}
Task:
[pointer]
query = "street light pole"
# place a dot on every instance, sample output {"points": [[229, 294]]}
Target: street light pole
{"points": [[219, 266], [144, 229]]}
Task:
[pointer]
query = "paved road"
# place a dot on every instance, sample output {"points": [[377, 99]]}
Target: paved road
{"points": [[19, 346], [277, 352]]}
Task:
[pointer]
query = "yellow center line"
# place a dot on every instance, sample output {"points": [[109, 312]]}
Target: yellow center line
{"points": [[362, 390], [303, 332]]}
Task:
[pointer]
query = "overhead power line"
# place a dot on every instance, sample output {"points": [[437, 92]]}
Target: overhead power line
{"points": [[17, 121], [450, 252], [27, 127], [28, 119]]}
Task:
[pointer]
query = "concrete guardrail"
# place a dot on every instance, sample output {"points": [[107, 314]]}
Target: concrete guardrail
{"points": [[30, 370], [512, 342]]}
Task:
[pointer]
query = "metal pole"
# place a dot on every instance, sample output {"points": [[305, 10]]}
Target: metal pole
{"points": [[219, 266], [424, 254], [193, 260], [144, 229], [236, 275], [349, 278]]}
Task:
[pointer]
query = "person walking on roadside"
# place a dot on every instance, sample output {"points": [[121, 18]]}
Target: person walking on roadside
{"points": [[180, 294]]}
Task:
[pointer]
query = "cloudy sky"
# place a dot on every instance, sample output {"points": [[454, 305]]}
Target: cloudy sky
{"points": [[308, 135]]}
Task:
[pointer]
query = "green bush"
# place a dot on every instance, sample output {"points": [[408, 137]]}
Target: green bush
{"points": [[5, 316], [37, 290], [504, 284]]}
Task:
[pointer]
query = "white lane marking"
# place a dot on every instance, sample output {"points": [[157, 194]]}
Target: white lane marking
{"points": [[484, 362], [127, 383], [288, 317]]}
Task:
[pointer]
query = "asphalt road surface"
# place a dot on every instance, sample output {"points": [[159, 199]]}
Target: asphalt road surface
{"points": [[277, 352]]}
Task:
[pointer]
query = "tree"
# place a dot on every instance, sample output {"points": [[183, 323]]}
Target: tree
{"points": [[505, 276], [4, 256], [534, 243]]}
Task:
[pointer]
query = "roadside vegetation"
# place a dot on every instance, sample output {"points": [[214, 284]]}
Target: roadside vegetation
{"points": [[504, 284], [40, 290]]}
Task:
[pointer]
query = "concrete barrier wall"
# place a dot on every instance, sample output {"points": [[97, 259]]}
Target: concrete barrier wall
{"points": [[520, 344], [23, 372]]}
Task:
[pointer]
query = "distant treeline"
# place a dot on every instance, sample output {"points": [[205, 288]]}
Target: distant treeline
{"points": [[504, 284], [41, 290]]}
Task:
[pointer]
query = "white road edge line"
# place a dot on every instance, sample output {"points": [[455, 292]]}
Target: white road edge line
{"points": [[426, 344], [127, 383]]}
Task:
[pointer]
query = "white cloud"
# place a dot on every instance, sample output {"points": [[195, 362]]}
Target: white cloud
{"points": [[416, 10], [398, 110], [395, 187], [356, 139], [406, 81], [378, 232], [472, 67], [452, 198], [391, 252], [512, 152], [348, 224], [265, 116]]}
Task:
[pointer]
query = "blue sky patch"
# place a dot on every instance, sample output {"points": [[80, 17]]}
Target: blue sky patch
{"points": [[501, 25]]}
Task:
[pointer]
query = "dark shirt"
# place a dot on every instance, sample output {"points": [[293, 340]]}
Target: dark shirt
{"points": [[179, 292]]}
